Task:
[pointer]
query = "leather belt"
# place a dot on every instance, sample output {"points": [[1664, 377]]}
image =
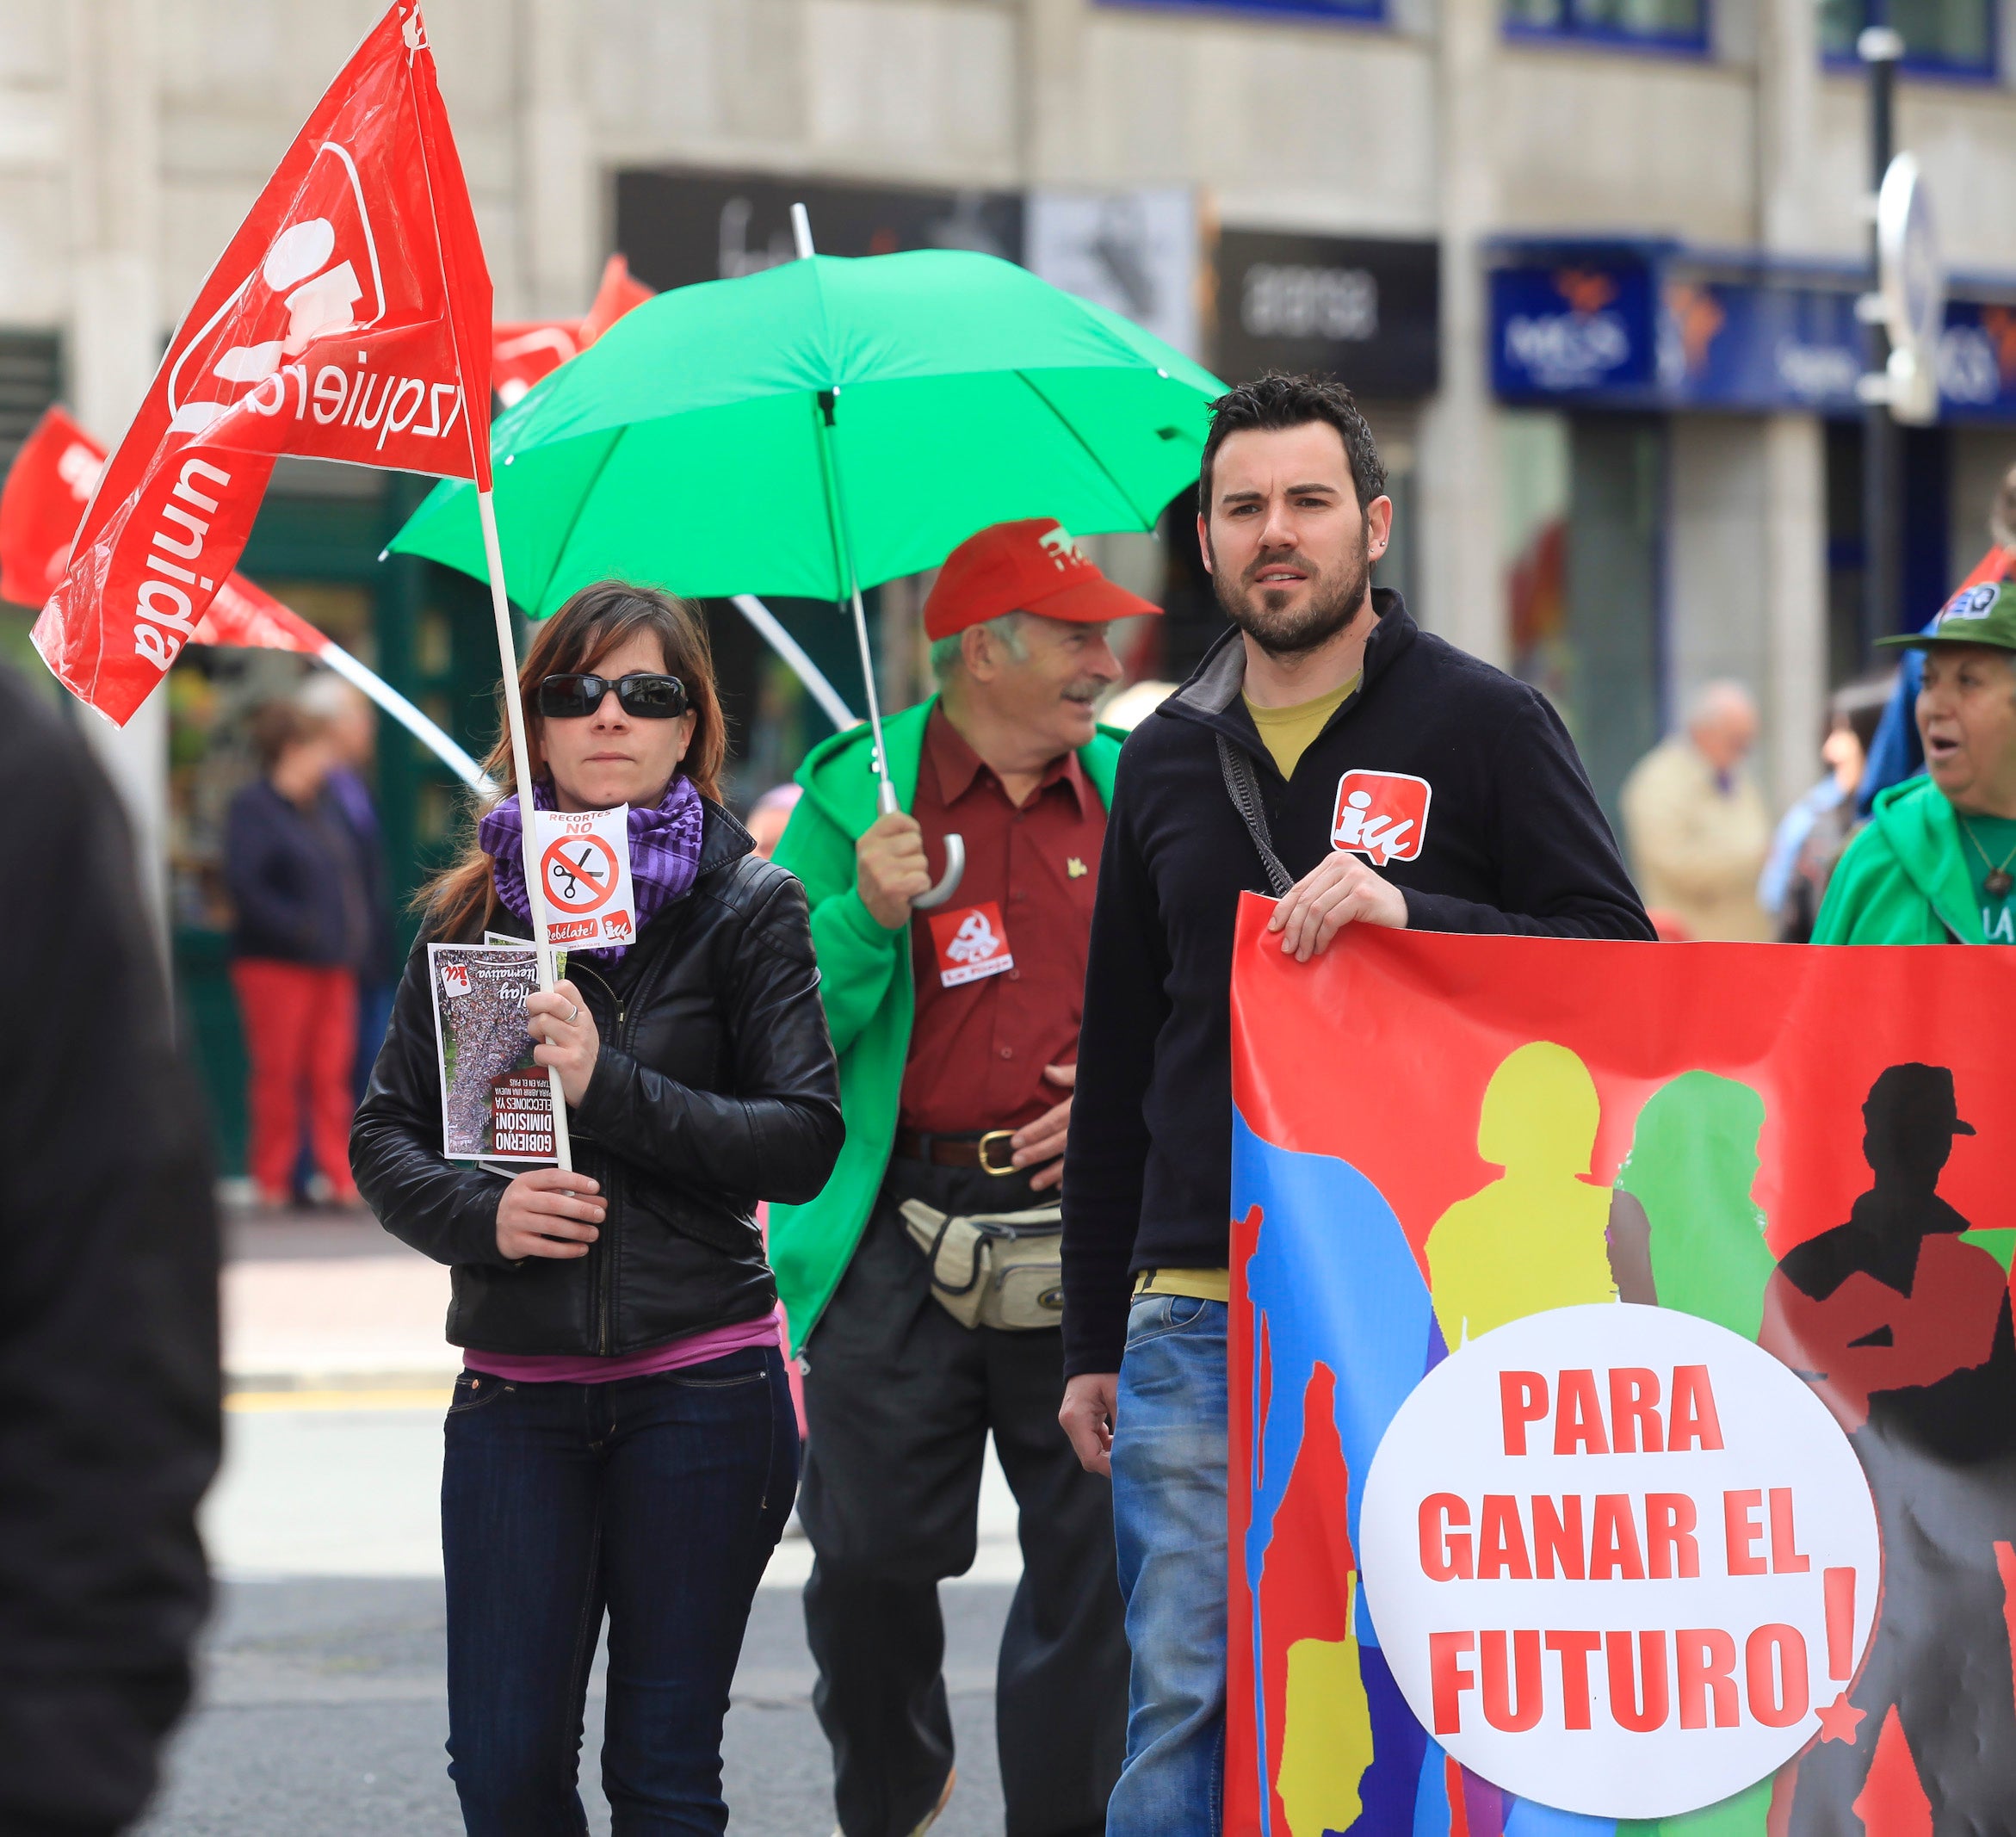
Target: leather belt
{"points": [[989, 1151]]}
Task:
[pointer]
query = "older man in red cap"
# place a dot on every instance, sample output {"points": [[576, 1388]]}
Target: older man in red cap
{"points": [[923, 1331]]}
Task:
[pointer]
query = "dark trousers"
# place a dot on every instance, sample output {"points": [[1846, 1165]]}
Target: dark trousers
{"points": [[658, 1499], [899, 1401]]}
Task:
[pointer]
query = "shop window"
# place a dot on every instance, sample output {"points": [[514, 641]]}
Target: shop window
{"points": [[1657, 25], [1580, 547], [1946, 37]]}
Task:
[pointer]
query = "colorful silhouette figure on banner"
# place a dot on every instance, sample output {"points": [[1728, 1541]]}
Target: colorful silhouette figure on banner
{"points": [[1905, 1332], [1314, 1686], [1313, 1434], [1534, 1238], [1685, 1231]]}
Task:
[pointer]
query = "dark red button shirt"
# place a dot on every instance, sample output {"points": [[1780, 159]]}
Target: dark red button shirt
{"points": [[978, 1050]]}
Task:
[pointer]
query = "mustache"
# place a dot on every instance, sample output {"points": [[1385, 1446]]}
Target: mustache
{"points": [[1086, 690], [1285, 558]]}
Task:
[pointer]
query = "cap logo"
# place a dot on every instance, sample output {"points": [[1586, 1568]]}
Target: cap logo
{"points": [[1973, 603], [1063, 547]]}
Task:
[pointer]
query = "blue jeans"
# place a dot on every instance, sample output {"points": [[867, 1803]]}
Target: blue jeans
{"points": [[1169, 1521], [658, 1499]]}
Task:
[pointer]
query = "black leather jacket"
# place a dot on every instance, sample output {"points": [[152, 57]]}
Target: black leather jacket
{"points": [[715, 1087]]}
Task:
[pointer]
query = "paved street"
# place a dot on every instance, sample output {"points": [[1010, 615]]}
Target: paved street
{"points": [[323, 1711]]}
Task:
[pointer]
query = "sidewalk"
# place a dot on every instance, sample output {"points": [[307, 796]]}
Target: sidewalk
{"points": [[337, 1373], [319, 1303]]}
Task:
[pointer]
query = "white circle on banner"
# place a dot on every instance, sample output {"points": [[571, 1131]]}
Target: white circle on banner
{"points": [[1625, 1634]]}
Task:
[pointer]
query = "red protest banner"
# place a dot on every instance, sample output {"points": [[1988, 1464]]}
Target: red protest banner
{"points": [[1623, 1388], [48, 487], [528, 351], [348, 320]]}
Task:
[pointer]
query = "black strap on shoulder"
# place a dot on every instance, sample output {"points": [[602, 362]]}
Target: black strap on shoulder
{"points": [[1243, 783]]}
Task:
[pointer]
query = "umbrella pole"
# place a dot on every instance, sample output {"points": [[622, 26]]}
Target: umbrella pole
{"points": [[851, 581], [507, 653], [947, 883]]}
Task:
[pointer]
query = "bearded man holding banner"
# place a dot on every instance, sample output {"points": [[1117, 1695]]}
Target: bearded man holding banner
{"points": [[1362, 771]]}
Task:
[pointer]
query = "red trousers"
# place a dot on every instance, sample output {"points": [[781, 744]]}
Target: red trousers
{"points": [[300, 1025]]}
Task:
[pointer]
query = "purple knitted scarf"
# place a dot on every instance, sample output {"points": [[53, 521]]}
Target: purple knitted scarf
{"points": [[665, 853]]}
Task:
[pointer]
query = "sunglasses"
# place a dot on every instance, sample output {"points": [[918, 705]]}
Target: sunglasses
{"points": [[643, 697]]}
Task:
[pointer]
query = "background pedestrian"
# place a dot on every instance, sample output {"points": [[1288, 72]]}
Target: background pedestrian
{"points": [[769, 815], [350, 724], [1697, 823], [1811, 835], [300, 925]]}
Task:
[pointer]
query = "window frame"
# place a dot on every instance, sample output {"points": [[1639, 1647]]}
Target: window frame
{"points": [[1698, 44], [1360, 14], [1986, 73]]}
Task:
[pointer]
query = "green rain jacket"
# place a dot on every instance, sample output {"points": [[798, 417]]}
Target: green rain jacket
{"points": [[1904, 879], [864, 979]]}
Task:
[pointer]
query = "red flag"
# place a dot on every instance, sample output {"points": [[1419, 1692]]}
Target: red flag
{"points": [[48, 488], [528, 351], [348, 320], [619, 291], [49, 485]]}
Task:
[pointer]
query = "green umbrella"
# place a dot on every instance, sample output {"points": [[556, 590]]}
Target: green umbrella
{"points": [[688, 447]]}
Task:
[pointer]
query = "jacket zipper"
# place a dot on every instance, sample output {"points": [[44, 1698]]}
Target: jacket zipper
{"points": [[603, 1293]]}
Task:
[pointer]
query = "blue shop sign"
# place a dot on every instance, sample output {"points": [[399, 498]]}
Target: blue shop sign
{"points": [[1643, 330], [1977, 363], [1580, 329], [1726, 346]]}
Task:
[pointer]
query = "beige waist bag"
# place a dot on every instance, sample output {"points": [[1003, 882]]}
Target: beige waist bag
{"points": [[993, 1269]]}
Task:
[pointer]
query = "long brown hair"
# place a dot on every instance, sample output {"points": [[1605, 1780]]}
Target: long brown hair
{"points": [[590, 625]]}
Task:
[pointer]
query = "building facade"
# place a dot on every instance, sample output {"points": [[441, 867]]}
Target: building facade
{"points": [[1585, 260]]}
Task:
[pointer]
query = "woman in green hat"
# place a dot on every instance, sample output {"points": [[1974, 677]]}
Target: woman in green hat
{"points": [[1937, 863]]}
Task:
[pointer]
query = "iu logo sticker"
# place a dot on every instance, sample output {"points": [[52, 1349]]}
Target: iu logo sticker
{"points": [[971, 942], [1381, 815]]}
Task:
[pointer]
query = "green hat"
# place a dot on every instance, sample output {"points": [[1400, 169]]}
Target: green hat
{"points": [[1984, 614]]}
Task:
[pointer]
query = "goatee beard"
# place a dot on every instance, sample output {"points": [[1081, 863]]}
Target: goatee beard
{"points": [[1281, 634]]}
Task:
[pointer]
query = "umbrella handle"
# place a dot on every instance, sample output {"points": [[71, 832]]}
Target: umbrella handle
{"points": [[949, 882]]}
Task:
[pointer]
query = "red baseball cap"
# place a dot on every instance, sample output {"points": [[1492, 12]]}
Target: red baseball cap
{"points": [[1030, 565]]}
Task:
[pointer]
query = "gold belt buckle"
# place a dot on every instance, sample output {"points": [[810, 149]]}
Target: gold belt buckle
{"points": [[987, 1165]]}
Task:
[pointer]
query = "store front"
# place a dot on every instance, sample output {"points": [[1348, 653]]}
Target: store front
{"points": [[1680, 477]]}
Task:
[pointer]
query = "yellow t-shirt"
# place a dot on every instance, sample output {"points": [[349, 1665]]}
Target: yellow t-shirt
{"points": [[1203, 1286], [1288, 732]]}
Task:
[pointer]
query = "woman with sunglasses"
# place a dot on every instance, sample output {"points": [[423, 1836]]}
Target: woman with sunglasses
{"points": [[622, 1438]]}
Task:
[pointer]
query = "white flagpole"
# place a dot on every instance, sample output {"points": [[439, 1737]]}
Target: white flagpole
{"points": [[521, 767], [817, 686], [333, 655]]}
